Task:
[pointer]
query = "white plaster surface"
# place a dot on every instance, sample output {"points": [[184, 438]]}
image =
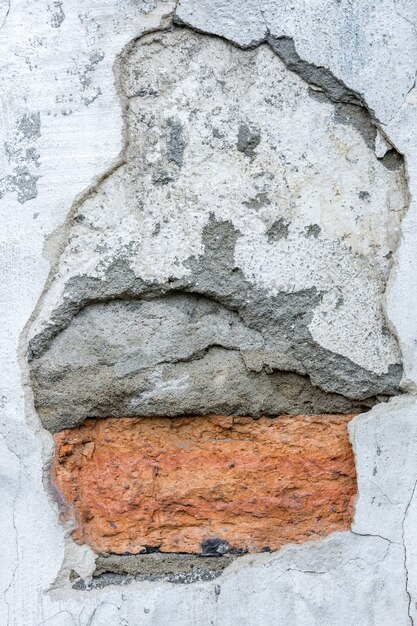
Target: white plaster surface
{"points": [[57, 59]]}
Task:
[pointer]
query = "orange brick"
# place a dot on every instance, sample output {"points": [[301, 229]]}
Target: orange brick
{"points": [[173, 483]]}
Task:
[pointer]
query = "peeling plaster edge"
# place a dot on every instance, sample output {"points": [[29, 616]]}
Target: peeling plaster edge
{"points": [[407, 383], [9, 6], [57, 240]]}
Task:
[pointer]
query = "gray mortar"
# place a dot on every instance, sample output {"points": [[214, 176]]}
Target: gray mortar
{"points": [[208, 343], [260, 200], [278, 230], [175, 568], [247, 140], [392, 160], [313, 230], [176, 143]]}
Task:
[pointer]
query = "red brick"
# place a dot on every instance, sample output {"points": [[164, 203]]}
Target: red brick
{"points": [[172, 483]]}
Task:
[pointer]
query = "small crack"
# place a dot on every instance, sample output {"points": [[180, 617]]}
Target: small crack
{"points": [[197, 355], [376, 535], [341, 566], [412, 86], [55, 615], [405, 554], [414, 27], [406, 19], [94, 613], [14, 524], [267, 31], [6, 15], [374, 484], [405, 97]]}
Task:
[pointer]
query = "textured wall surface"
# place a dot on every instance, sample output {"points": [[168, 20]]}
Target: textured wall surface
{"points": [[183, 484], [209, 206]]}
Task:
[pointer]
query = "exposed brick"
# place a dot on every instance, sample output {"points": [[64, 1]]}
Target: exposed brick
{"points": [[177, 483]]}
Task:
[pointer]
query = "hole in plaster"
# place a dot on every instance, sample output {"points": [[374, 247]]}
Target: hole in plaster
{"points": [[208, 486], [237, 262]]}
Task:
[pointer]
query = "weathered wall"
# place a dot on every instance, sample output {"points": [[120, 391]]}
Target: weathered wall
{"points": [[185, 484], [209, 207], [249, 227]]}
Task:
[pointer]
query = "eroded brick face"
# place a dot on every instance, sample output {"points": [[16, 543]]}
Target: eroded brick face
{"points": [[177, 483]]}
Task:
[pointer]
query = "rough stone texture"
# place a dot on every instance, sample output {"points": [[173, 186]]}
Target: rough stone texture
{"points": [[350, 578], [309, 302], [205, 484], [180, 354]]}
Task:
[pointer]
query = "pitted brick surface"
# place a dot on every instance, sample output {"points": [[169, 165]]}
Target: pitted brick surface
{"points": [[205, 484]]}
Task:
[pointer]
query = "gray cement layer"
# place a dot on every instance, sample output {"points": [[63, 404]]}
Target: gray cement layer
{"points": [[210, 343], [173, 568]]}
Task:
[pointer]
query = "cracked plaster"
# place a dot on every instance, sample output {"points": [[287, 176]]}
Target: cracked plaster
{"points": [[360, 579], [195, 145]]}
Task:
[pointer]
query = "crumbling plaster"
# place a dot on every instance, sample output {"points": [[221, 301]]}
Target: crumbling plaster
{"points": [[217, 155], [367, 576]]}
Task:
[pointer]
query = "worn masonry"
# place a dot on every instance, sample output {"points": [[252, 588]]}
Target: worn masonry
{"points": [[217, 309]]}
